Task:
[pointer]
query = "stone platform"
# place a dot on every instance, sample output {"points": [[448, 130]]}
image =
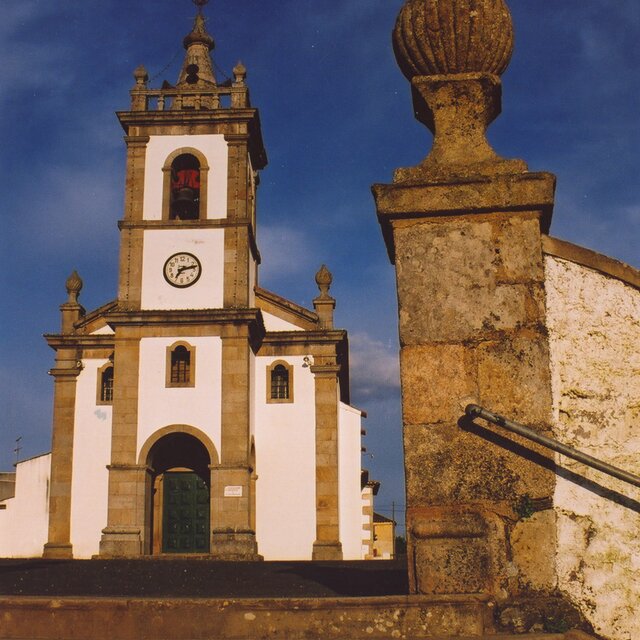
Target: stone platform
{"points": [[199, 599], [190, 577]]}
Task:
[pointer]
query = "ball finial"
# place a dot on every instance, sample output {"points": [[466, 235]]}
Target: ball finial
{"points": [[447, 37]]}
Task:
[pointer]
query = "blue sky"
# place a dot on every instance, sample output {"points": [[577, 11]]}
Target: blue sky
{"points": [[336, 116]]}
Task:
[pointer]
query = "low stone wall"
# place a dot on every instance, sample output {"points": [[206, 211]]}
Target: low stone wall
{"points": [[593, 307], [184, 619]]}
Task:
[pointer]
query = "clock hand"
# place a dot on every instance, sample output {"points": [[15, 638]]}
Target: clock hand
{"points": [[184, 268]]}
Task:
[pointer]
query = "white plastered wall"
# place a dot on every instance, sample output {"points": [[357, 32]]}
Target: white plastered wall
{"points": [[273, 323], [24, 523], [212, 146], [285, 464], [91, 455], [207, 245], [594, 333], [350, 496], [198, 406]]}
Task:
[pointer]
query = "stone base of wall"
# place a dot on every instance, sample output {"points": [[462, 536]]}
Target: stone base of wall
{"points": [[120, 543], [234, 546]]}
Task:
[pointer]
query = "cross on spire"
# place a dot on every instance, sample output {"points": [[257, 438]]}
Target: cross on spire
{"points": [[200, 4]]}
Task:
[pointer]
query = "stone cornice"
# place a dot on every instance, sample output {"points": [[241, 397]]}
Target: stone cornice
{"points": [[210, 118], [72, 340], [335, 336], [216, 223], [287, 306], [120, 317], [62, 372], [327, 370], [473, 195]]}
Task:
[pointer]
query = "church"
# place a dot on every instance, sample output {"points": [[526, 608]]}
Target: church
{"points": [[198, 412]]}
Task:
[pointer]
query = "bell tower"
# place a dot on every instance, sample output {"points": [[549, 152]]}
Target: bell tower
{"points": [[187, 274]]}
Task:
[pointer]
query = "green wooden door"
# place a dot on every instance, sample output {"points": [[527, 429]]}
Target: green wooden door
{"points": [[185, 517]]}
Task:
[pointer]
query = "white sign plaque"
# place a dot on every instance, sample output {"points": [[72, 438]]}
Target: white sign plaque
{"points": [[232, 492]]}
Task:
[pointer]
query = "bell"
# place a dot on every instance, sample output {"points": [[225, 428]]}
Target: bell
{"points": [[192, 73], [185, 205]]}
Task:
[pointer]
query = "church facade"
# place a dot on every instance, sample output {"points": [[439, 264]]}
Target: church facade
{"points": [[197, 413]]}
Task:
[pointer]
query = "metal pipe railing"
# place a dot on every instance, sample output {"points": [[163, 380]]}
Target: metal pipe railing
{"points": [[475, 411]]}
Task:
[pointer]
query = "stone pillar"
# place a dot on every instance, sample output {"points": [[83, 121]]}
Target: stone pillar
{"points": [[464, 232], [65, 374], [64, 399], [127, 504], [237, 249], [327, 545], [131, 235], [233, 536]]}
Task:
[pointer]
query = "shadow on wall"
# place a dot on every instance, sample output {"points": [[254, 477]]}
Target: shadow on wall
{"points": [[468, 425]]}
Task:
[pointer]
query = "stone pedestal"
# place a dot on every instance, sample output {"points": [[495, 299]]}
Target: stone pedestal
{"points": [[234, 545], [121, 542], [467, 252]]}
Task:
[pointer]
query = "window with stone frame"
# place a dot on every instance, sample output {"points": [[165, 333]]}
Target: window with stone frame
{"points": [[105, 384], [180, 365], [280, 382]]}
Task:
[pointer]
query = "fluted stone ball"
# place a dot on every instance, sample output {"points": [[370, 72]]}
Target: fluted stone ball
{"points": [[444, 37]]}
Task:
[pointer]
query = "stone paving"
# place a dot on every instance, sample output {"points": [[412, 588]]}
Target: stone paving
{"points": [[200, 578]]}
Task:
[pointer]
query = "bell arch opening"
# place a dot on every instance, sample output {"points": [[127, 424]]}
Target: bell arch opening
{"points": [[185, 188], [179, 518], [185, 185]]}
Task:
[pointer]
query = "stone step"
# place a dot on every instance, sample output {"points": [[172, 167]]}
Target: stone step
{"points": [[378, 618]]}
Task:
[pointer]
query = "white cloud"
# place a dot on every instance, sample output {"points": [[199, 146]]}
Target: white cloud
{"points": [[32, 60], [285, 252], [374, 367]]}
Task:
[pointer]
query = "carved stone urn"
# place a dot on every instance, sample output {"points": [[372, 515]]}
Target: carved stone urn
{"points": [[453, 52]]}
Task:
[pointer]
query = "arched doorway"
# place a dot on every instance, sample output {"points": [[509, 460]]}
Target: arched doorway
{"points": [[181, 490]]}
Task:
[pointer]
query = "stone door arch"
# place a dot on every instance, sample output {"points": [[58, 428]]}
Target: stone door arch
{"points": [[179, 490]]}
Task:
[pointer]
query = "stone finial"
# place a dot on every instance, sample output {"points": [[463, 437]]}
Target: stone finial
{"points": [[141, 76], [239, 73], [197, 68], [71, 311], [74, 286], [199, 34], [445, 37], [453, 51], [324, 280], [324, 304]]}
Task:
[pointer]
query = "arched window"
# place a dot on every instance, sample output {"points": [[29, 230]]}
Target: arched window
{"points": [[185, 188], [181, 365], [105, 384], [280, 382]]}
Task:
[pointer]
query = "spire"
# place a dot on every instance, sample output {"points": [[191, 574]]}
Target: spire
{"points": [[197, 68]]}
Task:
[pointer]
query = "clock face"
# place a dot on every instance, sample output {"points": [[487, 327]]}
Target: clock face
{"points": [[182, 270]]}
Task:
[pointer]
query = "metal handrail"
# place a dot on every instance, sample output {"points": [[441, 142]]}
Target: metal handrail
{"points": [[475, 411]]}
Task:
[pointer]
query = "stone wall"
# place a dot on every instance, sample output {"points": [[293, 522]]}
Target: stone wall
{"points": [[594, 333]]}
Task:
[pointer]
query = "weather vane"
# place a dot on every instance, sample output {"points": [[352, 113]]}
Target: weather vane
{"points": [[200, 4]]}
